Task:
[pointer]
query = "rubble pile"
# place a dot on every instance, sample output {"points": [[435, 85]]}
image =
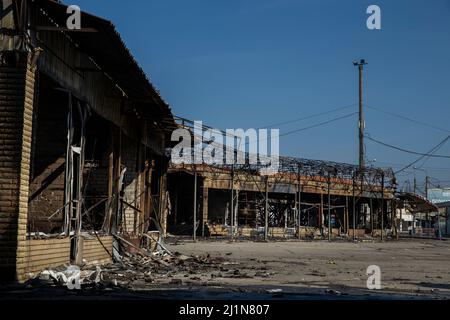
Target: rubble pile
{"points": [[140, 270], [137, 270]]}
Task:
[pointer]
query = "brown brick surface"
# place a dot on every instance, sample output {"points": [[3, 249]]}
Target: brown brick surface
{"points": [[13, 198]]}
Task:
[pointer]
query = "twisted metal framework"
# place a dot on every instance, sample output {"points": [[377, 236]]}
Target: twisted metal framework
{"points": [[292, 167], [297, 174]]}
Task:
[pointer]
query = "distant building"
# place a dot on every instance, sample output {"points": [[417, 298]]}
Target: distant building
{"points": [[419, 216], [439, 195]]}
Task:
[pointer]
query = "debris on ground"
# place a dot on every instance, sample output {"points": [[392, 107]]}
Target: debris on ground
{"points": [[143, 269], [274, 290], [333, 292]]}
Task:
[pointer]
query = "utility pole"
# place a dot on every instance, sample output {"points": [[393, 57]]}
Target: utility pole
{"points": [[329, 209], [354, 207], [232, 203], [361, 124], [415, 185], [195, 205], [382, 205], [299, 208], [426, 186], [266, 211]]}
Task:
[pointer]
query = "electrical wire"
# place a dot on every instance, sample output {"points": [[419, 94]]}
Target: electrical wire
{"points": [[308, 117], [318, 124], [433, 185], [408, 151], [396, 164], [204, 127], [307, 128], [437, 147], [409, 119]]}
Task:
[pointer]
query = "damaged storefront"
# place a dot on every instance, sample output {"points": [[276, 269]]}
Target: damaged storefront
{"points": [[419, 216], [83, 135], [303, 198], [307, 199]]}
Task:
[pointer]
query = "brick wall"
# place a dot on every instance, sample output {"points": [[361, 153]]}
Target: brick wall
{"points": [[94, 251], [45, 254], [16, 114]]}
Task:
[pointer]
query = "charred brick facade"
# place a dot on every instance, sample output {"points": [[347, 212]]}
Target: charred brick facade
{"points": [[17, 79]]}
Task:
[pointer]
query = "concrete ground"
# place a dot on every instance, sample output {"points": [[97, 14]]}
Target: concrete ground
{"points": [[409, 268]]}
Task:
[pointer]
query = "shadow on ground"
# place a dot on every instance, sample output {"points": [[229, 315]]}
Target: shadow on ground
{"points": [[208, 293]]}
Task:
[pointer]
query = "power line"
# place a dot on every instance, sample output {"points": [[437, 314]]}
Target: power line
{"points": [[423, 163], [409, 119], [396, 164], [309, 117], [437, 147], [408, 151], [319, 124], [308, 127], [433, 185], [205, 127], [285, 134]]}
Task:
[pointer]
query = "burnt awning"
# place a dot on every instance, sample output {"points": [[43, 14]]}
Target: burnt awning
{"points": [[417, 203]]}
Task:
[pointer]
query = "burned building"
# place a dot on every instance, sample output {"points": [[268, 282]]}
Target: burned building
{"points": [[83, 134], [313, 204], [304, 198]]}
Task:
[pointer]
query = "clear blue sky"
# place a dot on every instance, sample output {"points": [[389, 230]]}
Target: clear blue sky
{"points": [[251, 63]]}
